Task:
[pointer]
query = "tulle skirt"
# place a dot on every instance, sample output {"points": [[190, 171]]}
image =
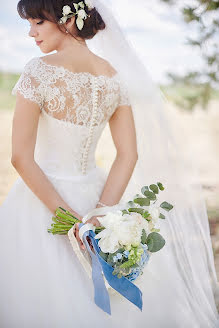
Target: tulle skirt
{"points": [[43, 284]]}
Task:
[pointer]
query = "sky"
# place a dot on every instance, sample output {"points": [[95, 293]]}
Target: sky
{"points": [[156, 30]]}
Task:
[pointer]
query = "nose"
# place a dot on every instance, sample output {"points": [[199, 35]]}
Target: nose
{"points": [[32, 33]]}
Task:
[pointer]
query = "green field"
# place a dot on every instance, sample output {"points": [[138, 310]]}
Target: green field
{"points": [[7, 81]]}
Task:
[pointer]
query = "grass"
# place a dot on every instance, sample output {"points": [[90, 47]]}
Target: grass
{"points": [[7, 82]]}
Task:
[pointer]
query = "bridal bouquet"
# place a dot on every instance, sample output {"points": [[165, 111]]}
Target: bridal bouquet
{"points": [[121, 245]]}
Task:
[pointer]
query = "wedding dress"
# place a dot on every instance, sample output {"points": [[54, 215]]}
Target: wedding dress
{"points": [[42, 283]]}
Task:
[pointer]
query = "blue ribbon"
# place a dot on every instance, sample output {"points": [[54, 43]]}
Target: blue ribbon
{"points": [[121, 285]]}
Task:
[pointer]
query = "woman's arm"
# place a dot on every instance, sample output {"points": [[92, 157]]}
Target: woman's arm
{"points": [[123, 132], [24, 132]]}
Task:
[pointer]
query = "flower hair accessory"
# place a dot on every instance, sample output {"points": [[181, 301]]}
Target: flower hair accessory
{"points": [[80, 12]]}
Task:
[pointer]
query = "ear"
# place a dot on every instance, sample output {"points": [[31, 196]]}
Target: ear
{"points": [[70, 23]]}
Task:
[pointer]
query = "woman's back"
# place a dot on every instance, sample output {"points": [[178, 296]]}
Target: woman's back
{"points": [[75, 107]]}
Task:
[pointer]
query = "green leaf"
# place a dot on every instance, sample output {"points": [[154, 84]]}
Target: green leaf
{"points": [[155, 242], [161, 216], [143, 189], [166, 206], [142, 201], [125, 212], [131, 203], [161, 187], [155, 230], [154, 188], [143, 237], [146, 214], [137, 210], [150, 195]]}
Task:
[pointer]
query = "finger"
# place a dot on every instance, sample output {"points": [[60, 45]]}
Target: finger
{"points": [[78, 238], [90, 244]]}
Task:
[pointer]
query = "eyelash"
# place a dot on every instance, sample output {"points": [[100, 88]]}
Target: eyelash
{"points": [[41, 22]]}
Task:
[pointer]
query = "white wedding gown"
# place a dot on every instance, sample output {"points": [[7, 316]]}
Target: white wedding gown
{"points": [[42, 282]]}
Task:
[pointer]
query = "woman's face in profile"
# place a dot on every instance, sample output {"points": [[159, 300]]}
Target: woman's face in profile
{"points": [[47, 34]]}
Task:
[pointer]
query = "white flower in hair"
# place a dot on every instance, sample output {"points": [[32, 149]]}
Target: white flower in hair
{"points": [[89, 4], [63, 20], [82, 14], [66, 10]]}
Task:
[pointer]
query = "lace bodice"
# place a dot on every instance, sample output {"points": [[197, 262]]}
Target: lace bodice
{"points": [[75, 107]]}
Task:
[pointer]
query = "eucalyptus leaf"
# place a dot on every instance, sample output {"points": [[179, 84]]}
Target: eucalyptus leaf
{"points": [[131, 204], [137, 210], [155, 242], [161, 216], [161, 187], [150, 195], [166, 206], [142, 201], [143, 237], [143, 189], [154, 188]]}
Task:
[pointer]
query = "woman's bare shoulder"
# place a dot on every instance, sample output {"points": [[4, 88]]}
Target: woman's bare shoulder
{"points": [[87, 62], [107, 66]]}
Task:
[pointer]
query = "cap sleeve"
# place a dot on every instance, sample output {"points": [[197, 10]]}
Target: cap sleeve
{"points": [[123, 95], [29, 84]]}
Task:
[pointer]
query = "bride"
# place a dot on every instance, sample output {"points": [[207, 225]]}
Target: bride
{"points": [[64, 102]]}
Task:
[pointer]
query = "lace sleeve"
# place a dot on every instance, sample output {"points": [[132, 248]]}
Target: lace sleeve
{"points": [[123, 96], [29, 84]]}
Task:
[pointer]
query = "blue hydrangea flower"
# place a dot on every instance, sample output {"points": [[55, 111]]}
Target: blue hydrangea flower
{"points": [[119, 256], [138, 270], [126, 253]]}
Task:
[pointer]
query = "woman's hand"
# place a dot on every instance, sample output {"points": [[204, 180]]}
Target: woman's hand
{"points": [[93, 221]]}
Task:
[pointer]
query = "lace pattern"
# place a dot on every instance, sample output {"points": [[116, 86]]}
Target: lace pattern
{"points": [[72, 100], [66, 95]]}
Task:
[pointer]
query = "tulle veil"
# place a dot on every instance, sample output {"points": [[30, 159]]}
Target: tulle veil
{"points": [[160, 159]]}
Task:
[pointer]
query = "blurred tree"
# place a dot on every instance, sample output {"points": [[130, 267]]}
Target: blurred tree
{"points": [[204, 14]]}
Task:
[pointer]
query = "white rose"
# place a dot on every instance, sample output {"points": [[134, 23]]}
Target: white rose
{"points": [[66, 10], [82, 14]]}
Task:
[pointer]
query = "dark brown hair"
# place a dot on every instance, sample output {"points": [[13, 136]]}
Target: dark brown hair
{"points": [[52, 10]]}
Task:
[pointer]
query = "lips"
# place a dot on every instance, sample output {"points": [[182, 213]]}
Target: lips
{"points": [[38, 42]]}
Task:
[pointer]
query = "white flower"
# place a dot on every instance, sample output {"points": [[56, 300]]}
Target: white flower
{"points": [[154, 212], [82, 14], [89, 4], [120, 230], [63, 20], [66, 10]]}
